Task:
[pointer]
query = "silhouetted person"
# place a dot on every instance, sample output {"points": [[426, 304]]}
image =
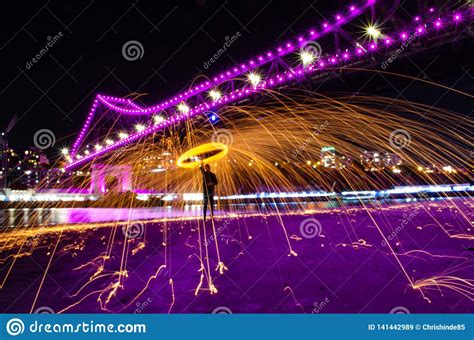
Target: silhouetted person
{"points": [[209, 182]]}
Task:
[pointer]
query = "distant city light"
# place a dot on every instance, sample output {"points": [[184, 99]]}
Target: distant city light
{"points": [[449, 169]]}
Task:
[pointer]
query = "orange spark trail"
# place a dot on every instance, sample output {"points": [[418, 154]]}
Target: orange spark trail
{"points": [[45, 273]]}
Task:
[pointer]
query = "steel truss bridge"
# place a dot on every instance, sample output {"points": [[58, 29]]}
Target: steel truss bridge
{"points": [[328, 47]]}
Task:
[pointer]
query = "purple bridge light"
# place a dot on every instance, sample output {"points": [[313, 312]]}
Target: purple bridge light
{"points": [[428, 26]]}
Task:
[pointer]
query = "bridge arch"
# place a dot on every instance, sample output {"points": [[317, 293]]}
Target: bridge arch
{"points": [[100, 173]]}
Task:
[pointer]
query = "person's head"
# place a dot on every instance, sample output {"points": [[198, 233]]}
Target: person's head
{"points": [[207, 167]]}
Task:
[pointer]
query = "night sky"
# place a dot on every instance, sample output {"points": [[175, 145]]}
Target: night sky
{"points": [[178, 38]]}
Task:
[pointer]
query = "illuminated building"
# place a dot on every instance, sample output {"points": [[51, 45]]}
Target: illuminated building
{"points": [[376, 161], [3, 160], [328, 157], [158, 163], [25, 168]]}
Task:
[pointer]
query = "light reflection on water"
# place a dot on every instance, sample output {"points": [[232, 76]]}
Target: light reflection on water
{"points": [[34, 217]]}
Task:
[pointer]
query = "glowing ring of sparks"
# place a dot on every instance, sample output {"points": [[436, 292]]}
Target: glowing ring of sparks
{"points": [[190, 159]]}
